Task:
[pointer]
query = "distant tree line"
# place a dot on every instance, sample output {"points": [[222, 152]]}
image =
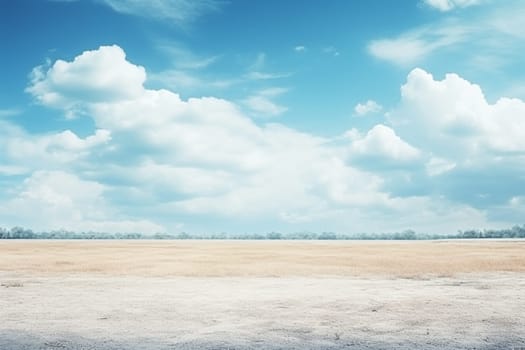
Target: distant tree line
{"points": [[22, 233]]}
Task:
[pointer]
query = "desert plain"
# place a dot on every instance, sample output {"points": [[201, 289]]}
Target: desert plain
{"points": [[198, 294]]}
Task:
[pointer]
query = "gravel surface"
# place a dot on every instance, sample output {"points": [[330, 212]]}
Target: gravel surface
{"points": [[81, 311]]}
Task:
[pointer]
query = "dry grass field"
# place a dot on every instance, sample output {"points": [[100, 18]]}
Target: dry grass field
{"points": [[262, 294], [263, 258]]}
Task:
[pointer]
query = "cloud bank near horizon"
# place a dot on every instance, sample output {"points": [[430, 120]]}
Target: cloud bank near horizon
{"points": [[443, 159]]}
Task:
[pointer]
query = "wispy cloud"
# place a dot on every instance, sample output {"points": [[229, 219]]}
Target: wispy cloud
{"points": [[448, 5], [180, 12], [9, 112], [192, 72], [262, 102], [259, 62], [182, 80], [183, 58], [300, 48], [413, 46], [490, 36], [257, 70], [275, 91], [265, 76]]}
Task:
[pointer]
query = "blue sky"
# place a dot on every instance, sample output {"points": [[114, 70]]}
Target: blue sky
{"points": [[257, 116]]}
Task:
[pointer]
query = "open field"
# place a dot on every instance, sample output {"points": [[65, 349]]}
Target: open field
{"points": [[262, 294], [263, 258]]}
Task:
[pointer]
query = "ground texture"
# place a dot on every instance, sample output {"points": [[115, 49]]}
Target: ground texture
{"points": [[262, 295]]}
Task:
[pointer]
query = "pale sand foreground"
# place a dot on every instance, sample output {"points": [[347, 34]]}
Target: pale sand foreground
{"points": [[263, 295]]}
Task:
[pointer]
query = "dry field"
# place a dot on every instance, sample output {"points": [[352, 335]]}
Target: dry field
{"points": [[262, 294], [412, 259]]}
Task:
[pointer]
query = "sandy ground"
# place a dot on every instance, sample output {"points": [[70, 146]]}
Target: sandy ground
{"points": [[280, 300]]}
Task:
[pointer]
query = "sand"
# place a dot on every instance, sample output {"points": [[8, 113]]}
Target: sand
{"points": [[262, 295]]}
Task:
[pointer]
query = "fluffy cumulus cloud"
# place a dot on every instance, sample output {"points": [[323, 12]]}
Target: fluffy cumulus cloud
{"points": [[27, 152], [60, 147], [57, 199], [475, 147], [456, 119], [383, 143], [156, 160], [97, 76], [368, 107]]}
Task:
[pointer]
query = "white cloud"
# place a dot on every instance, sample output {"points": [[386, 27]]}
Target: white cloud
{"points": [[517, 202], [369, 107], [272, 92], [207, 149], [69, 140], [182, 80], [184, 58], [10, 170], [402, 50], [300, 48], [96, 76], [256, 71], [382, 142], [453, 116], [486, 39], [177, 11], [152, 177], [23, 151], [202, 157], [198, 131], [62, 147], [447, 5], [51, 200], [255, 75], [189, 75], [438, 166], [476, 148], [413, 46], [262, 103], [189, 72]]}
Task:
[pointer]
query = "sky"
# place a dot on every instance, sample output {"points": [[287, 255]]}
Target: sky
{"points": [[210, 116]]}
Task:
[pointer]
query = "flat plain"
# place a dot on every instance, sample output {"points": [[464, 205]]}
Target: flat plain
{"points": [[461, 294]]}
